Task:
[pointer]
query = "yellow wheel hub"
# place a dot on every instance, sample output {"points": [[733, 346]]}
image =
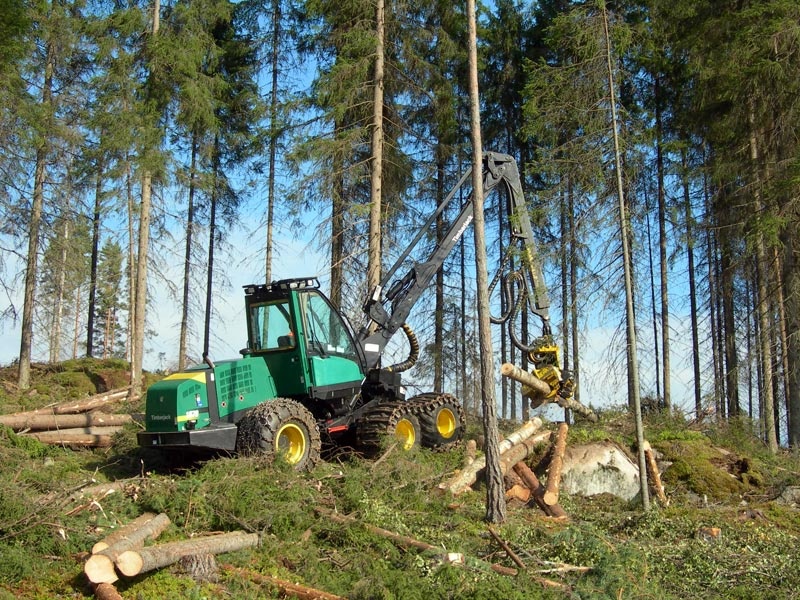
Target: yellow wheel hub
{"points": [[405, 433], [291, 443], [446, 423]]}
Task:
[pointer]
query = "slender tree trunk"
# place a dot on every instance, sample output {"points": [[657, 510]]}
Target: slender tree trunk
{"points": [[90, 313], [34, 224], [212, 234], [375, 210], [58, 313], [141, 260], [655, 308], [495, 492], [633, 367], [438, 332], [763, 306], [687, 206], [130, 349], [273, 138], [662, 246], [187, 256]]}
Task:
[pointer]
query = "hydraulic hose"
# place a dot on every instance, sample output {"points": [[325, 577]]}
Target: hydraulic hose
{"points": [[413, 353]]}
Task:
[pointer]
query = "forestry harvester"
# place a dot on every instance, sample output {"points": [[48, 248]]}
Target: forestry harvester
{"points": [[306, 375]]}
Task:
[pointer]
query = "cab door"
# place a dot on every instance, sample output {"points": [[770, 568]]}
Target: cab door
{"points": [[273, 337], [334, 363]]}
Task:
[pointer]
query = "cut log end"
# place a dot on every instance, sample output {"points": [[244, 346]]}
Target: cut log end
{"points": [[130, 563], [100, 569]]}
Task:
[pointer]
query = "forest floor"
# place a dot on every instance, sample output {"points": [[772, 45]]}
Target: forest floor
{"points": [[726, 533]]}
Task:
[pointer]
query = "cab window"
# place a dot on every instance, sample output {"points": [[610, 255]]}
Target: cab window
{"points": [[271, 326]]}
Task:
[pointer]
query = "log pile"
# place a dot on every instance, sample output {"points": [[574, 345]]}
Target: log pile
{"points": [[522, 483], [124, 552], [77, 423]]}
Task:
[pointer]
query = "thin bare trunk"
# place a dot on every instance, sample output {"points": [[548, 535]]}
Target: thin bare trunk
{"points": [[375, 210], [58, 312], [90, 313], [633, 367], [37, 206], [662, 246], [495, 492], [273, 138], [187, 257]]}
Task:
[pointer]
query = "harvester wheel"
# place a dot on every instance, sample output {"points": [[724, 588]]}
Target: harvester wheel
{"points": [[280, 428], [389, 418], [441, 417]]}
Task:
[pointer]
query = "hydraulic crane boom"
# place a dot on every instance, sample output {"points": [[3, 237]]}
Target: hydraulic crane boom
{"points": [[389, 309]]}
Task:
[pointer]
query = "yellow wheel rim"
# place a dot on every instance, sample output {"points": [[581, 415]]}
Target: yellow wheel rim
{"points": [[446, 423], [291, 443], [405, 433]]}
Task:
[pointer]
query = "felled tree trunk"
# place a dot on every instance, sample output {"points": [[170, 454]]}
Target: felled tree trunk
{"points": [[83, 405], [537, 391], [96, 437], [40, 422], [469, 475], [556, 464], [521, 450], [99, 568], [106, 591], [537, 491], [142, 560]]}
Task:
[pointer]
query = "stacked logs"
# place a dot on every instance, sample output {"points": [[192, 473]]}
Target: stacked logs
{"points": [[514, 450], [78, 423], [124, 552]]}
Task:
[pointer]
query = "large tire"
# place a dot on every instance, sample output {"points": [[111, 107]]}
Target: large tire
{"points": [[389, 419], [283, 429], [441, 417]]}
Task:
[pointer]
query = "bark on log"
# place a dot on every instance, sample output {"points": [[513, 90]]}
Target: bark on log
{"points": [[521, 450], [43, 422], [556, 464], [470, 452], [135, 528], [106, 591], [537, 391], [533, 387], [134, 562], [99, 568], [537, 491], [469, 475], [96, 437], [655, 476], [286, 588], [76, 437]]}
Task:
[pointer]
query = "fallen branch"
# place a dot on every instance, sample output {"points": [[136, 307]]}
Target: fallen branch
{"points": [[142, 560], [409, 542], [286, 588], [556, 464], [511, 554]]}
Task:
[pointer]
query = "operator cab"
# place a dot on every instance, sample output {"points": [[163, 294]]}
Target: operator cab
{"points": [[309, 348]]}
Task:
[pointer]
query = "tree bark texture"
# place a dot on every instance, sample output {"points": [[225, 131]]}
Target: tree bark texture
{"points": [[143, 560], [556, 464], [45, 422]]}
